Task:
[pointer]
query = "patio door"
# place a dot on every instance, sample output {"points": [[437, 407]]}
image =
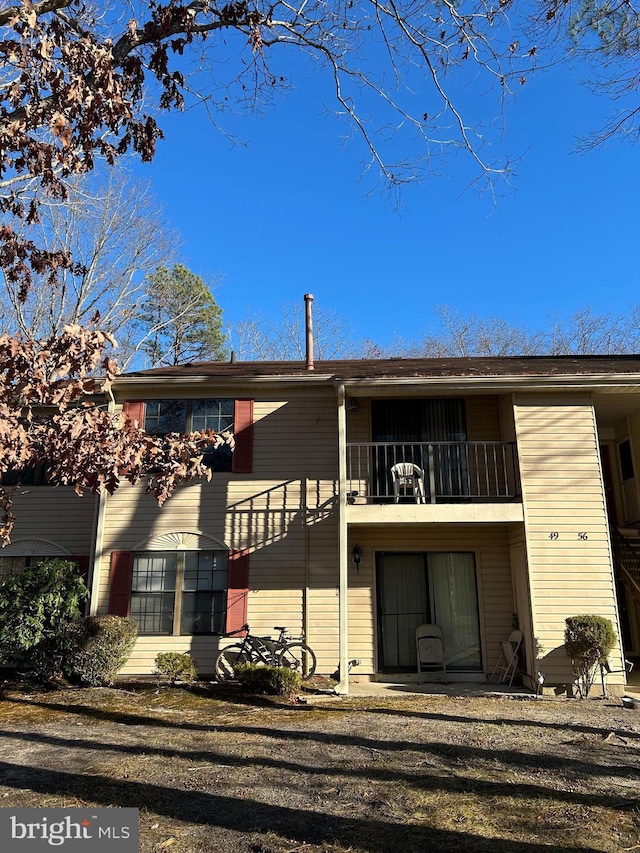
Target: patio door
{"points": [[404, 429], [429, 587]]}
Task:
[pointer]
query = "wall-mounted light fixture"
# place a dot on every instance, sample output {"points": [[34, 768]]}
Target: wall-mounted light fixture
{"points": [[353, 405], [356, 556]]}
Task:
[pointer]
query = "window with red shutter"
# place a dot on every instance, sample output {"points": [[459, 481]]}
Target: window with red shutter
{"points": [[159, 417], [238, 590], [179, 592], [120, 583]]}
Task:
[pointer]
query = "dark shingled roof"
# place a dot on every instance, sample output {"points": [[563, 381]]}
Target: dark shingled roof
{"points": [[406, 368]]}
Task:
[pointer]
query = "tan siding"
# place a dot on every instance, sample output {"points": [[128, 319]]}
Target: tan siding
{"points": [[284, 511], [57, 514], [563, 494], [496, 599]]}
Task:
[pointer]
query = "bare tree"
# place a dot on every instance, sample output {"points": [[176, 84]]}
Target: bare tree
{"points": [[114, 229], [282, 337]]}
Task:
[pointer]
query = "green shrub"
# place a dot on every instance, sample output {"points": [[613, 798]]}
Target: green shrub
{"points": [[176, 666], [97, 648], [273, 680], [589, 639], [36, 606]]}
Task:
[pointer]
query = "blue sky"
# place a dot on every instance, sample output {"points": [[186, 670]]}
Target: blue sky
{"points": [[286, 214]]}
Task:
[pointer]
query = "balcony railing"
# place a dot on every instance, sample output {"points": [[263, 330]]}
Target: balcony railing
{"points": [[433, 472]]}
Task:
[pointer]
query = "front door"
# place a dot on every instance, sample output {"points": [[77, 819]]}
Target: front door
{"points": [[433, 588]]}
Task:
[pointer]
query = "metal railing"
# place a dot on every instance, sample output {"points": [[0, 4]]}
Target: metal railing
{"points": [[432, 472], [627, 561]]}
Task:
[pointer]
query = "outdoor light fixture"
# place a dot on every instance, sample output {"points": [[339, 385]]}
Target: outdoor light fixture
{"points": [[353, 405], [357, 556]]}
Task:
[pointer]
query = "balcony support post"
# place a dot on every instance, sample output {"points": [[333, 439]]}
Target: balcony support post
{"points": [[432, 473], [342, 687]]}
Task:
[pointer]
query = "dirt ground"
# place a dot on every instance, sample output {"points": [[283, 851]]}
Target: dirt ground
{"points": [[211, 770]]}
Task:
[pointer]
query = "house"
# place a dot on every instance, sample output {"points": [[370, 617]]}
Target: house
{"points": [[365, 497]]}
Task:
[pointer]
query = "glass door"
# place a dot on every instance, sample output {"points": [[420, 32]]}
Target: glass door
{"points": [[434, 588]]}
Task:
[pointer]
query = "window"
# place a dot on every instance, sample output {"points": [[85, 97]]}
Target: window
{"points": [[15, 565], [179, 592], [165, 416], [428, 588], [36, 476]]}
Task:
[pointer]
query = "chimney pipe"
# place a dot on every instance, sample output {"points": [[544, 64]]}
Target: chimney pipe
{"points": [[308, 299]]}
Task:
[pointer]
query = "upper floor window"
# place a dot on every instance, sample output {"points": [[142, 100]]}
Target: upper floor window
{"points": [[183, 416], [35, 476]]}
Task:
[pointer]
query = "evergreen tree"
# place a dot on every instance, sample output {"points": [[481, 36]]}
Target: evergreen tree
{"points": [[180, 321]]}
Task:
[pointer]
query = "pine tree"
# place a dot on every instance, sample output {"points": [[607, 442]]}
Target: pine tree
{"points": [[180, 321]]}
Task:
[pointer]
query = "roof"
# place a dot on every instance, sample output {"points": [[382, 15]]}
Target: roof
{"points": [[407, 368]]}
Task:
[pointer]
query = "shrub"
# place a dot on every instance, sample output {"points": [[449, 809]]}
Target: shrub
{"points": [[589, 639], [36, 607], [97, 648], [176, 666], [273, 680]]}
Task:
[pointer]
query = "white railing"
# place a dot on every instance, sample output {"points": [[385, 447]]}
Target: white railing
{"points": [[432, 472]]}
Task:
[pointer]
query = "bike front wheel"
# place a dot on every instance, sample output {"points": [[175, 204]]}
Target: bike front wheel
{"points": [[299, 657], [227, 661]]}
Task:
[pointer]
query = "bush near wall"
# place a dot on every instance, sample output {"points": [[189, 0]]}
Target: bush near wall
{"points": [[589, 640], [36, 607], [272, 680], [97, 649], [176, 666]]}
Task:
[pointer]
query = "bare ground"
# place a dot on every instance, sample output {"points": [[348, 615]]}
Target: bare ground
{"points": [[213, 771]]}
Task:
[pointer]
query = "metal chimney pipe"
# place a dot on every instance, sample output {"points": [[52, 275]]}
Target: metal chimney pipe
{"points": [[308, 299]]}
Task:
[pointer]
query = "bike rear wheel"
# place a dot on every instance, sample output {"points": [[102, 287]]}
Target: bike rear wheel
{"points": [[299, 657], [228, 659]]}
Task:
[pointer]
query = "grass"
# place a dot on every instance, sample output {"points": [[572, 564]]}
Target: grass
{"points": [[212, 770]]}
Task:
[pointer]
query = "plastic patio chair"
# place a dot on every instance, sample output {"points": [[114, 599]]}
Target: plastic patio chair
{"points": [[408, 475]]}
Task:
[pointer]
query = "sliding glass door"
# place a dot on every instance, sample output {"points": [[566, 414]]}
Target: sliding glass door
{"points": [[428, 587], [427, 433]]}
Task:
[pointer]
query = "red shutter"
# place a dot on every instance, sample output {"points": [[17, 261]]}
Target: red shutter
{"points": [[243, 433], [134, 410], [237, 590], [120, 582], [83, 565]]}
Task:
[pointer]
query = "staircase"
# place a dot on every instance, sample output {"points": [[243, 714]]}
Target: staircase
{"points": [[626, 557]]}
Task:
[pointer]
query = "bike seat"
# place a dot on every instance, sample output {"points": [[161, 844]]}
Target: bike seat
{"points": [[279, 628]]}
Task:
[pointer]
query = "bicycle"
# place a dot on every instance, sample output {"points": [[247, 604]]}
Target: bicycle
{"points": [[291, 652]]}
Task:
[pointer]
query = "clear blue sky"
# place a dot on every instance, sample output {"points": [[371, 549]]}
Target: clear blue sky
{"points": [[286, 215]]}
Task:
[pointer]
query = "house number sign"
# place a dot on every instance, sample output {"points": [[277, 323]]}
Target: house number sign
{"points": [[582, 536]]}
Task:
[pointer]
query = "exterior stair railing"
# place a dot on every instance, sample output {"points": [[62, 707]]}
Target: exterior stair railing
{"points": [[626, 557]]}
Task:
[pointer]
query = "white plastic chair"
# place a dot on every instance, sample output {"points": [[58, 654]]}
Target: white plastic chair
{"points": [[430, 650], [508, 661], [407, 475]]}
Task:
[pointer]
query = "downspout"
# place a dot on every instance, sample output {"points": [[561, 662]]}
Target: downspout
{"points": [[343, 583], [100, 517]]}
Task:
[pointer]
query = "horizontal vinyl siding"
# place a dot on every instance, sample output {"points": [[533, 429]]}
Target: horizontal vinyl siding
{"points": [[563, 494], [57, 514], [493, 570], [285, 509]]}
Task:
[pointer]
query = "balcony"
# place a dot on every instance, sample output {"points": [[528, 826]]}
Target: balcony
{"points": [[407, 481]]}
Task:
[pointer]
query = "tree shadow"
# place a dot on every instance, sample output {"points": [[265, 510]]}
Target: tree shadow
{"points": [[250, 816], [424, 778]]}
